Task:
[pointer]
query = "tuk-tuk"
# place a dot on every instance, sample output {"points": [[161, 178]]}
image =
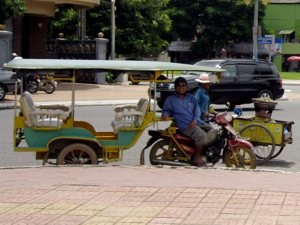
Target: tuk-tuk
{"points": [[52, 131]]}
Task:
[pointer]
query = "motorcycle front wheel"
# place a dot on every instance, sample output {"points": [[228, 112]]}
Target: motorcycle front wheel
{"points": [[241, 157], [49, 87], [32, 86]]}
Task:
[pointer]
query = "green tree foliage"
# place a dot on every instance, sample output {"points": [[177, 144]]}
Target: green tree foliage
{"points": [[140, 25], [99, 20], [145, 27], [10, 9], [65, 21], [145, 22], [212, 23]]}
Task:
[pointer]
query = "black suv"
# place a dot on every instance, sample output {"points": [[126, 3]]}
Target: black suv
{"points": [[243, 80]]}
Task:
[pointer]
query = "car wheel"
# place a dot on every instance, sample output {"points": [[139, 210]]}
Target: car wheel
{"points": [[134, 82], [265, 94], [2, 91]]}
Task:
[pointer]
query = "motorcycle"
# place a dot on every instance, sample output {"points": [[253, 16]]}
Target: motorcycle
{"points": [[175, 149], [37, 82]]}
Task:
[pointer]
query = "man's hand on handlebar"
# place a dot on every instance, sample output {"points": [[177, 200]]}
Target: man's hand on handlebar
{"points": [[166, 118], [193, 124]]}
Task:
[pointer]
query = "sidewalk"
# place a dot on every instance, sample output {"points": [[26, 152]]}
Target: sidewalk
{"points": [[138, 195], [148, 195], [87, 94]]}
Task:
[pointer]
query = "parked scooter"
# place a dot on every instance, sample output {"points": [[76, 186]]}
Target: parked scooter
{"points": [[41, 82], [175, 149]]}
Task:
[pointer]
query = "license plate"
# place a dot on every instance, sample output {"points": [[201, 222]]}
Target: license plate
{"points": [[157, 95]]}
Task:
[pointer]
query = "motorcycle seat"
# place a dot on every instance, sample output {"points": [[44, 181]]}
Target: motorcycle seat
{"points": [[182, 138], [211, 137]]}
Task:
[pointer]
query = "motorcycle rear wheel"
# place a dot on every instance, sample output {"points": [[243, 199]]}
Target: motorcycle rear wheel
{"points": [[161, 151], [49, 87], [241, 157]]}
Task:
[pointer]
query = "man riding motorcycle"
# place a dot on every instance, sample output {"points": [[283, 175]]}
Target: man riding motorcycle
{"points": [[183, 107]]}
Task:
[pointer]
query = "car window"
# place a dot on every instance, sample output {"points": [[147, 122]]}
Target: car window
{"points": [[213, 63], [265, 69], [246, 69], [230, 70]]}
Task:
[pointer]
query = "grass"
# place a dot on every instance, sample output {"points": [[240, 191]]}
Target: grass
{"points": [[290, 75]]}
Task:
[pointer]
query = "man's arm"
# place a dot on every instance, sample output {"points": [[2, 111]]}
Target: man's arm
{"points": [[167, 110], [200, 100], [196, 110]]}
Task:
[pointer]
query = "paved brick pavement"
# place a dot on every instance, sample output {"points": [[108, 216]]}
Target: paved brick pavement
{"points": [[148, 195], [137, 195]]}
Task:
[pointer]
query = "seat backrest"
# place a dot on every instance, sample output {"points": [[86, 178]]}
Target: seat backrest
{"points": [[27, 107], [141, 107], [130, 116]]}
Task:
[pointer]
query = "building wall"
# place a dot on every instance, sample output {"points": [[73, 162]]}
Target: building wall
{"points": [[30, 31], [38, 36], [283, 17], [30, 36]]}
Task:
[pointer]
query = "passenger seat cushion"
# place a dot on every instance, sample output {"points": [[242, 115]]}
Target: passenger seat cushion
{"points": [[130, 116], [42, 116]]}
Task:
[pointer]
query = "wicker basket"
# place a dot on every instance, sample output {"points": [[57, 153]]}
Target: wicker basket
{"points": [[264, 107]]}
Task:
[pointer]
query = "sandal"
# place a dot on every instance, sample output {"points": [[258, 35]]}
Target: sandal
{"points": [[199, 164]]}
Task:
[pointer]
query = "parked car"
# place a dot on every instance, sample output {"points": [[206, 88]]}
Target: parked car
{"points": [[136, 77], [7, 84], [243, 80]]}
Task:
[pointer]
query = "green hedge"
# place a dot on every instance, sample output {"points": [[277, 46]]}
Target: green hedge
{"points": [[290, 75]]}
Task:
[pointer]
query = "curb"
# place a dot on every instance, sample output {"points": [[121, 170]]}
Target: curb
{"points": [[10, 105]]}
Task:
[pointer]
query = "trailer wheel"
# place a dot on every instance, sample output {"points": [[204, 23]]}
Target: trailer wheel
{"points": [[77, 154]]}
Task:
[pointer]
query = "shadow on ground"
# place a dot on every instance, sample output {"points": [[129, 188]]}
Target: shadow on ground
{"points": [[64, 86], [278, 163]]}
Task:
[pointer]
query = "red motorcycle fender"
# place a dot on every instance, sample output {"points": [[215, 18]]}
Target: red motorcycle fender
{"points": [[235, 143]]}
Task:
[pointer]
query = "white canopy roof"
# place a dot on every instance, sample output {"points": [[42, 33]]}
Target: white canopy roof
{"points": [[127, 65]]}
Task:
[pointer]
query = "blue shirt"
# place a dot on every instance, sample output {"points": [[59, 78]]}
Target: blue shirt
{"points": [[203, 102], [183, 110]]}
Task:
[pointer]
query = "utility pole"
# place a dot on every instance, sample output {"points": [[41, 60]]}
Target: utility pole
{"points": [[255, 30], [82, 24], [255, 25], [113, 28]]}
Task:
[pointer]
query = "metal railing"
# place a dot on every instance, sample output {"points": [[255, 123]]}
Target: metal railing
{"points": [[66, 49]]}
